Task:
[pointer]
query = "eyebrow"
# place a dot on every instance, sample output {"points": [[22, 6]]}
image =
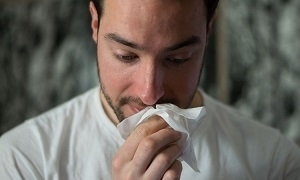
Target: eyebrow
{"points": [[117, 38], [193, 40]]}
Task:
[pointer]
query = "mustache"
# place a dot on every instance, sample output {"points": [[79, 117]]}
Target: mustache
{"points": [[129, 99]]}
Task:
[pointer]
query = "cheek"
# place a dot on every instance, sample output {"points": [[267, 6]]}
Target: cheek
{"points": [[111, 73], [189, 80], [183, 82], [188, 76]]}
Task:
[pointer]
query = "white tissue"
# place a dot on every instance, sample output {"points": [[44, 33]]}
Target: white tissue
{"points": [[182, 120]]}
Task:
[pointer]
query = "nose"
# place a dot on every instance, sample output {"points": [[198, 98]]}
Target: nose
{"points": [[150, 82]]}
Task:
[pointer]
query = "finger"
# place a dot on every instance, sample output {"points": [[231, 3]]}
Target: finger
{"points": [[128, 149], [151, 145], [174, 172], [164, 162]]}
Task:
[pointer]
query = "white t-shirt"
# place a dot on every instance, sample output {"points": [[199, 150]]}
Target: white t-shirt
{"points": [[78, 141]]}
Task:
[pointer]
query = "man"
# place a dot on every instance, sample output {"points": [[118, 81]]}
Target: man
{"points": [[148, 52]]}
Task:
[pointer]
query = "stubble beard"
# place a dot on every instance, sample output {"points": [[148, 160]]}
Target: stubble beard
{"points": [[116, 108], [129, 99]]}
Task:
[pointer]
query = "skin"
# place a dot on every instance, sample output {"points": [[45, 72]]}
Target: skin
{"points": [[149, 52]]}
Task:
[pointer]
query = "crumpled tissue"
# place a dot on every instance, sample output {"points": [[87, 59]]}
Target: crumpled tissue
{"points": [[182, 120]]}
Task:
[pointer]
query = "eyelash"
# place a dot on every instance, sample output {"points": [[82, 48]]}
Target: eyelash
{"points": [[178, 61], [130, 59], [127, 59]]}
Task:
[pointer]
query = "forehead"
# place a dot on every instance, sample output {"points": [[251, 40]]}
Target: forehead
{"points": [[187, 8], [145, 20]]}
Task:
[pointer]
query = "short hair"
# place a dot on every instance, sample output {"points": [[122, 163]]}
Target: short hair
{"points": [[211, 6]]}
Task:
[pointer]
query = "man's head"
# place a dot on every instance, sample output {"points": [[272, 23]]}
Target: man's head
{"points": [[149, 51], [211, 6]]}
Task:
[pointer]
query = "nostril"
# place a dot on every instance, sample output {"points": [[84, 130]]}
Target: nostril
{"points": [[151, 95]]}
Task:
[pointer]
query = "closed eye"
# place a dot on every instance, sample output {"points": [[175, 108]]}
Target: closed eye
{"points": [[178, 61], [126, 58]]}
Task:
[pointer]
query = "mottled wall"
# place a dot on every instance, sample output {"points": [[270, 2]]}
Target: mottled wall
{"points": [[265, 51], [47, 56]]}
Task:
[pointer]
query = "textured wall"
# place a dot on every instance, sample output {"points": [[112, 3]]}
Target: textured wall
{"points": [[265, 43], [47, 56]]}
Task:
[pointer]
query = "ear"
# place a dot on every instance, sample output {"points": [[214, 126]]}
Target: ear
{"points": [[94, 21], [210, 24]]}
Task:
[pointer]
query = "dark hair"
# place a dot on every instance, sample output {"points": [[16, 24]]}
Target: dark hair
{"points": [[211, 6], [98, 5]]}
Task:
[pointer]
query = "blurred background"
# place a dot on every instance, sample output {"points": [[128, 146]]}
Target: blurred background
{"points": [[47, 56]]}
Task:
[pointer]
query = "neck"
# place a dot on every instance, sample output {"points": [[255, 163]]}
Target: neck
{"points": [[197, 100]]}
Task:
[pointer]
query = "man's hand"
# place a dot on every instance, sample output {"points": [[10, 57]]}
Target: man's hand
{"points": [[149, 152]]}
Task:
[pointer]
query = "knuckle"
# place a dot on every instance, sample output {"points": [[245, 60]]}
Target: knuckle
{"points": [[164, 160], [129, 175], [148, 144], [117, 163], [142, 131], [122, 169]]}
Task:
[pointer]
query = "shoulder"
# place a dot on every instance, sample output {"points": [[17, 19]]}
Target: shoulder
{"points": [[229, 123], [25, 148], [249, 142], [227, 117], [54, 120]]}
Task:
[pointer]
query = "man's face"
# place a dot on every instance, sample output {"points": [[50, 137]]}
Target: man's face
{"points": [[150, 52]]}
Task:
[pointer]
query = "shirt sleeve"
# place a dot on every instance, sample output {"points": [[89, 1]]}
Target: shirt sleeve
{"points": [[19, 156], [286, 160]]}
